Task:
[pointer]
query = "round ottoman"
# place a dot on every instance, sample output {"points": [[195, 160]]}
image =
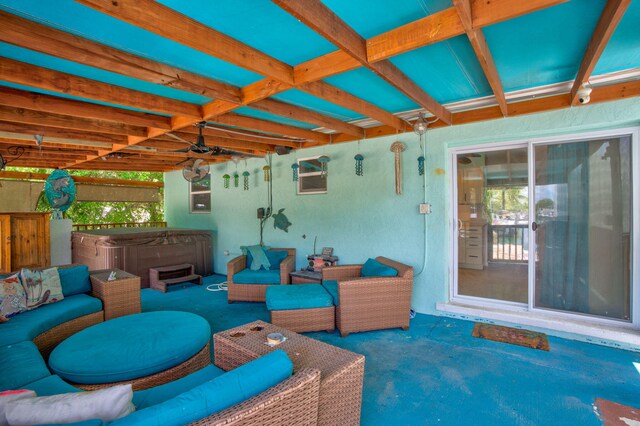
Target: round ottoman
{"points": [[146, 350]]}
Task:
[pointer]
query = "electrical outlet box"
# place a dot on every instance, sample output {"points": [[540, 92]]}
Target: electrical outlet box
{"points": [[425, 208]]}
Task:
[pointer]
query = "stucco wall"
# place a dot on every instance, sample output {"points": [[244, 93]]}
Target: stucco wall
{"points": [[362, 217]]}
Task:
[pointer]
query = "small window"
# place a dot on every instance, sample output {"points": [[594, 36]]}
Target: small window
{"points": [[200, 195], [311, 180]]}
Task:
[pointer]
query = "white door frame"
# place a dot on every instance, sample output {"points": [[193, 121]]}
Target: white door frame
{"points": [[634, 132]]}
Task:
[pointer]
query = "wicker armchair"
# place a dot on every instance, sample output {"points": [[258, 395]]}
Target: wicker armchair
{"points": [[292, 402], [256, 292], [371, 303]]}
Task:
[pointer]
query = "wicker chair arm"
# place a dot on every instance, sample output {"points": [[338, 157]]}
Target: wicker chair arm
{"points": [[341, 272], [236, 265], [384, 288], [292, 402], [287, 266]]}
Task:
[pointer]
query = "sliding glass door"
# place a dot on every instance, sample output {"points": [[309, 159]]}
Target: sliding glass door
{"points": [[583, 220], [548, 225]]}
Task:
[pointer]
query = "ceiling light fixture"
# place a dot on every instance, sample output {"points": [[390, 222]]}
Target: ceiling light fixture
{"points": [[420, 125]]}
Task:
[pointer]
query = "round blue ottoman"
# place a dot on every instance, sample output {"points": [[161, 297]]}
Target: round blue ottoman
{"points": [[145, 350]]}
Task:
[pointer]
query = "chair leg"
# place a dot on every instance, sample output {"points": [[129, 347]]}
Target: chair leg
{"points": [[344, 333], [405, 328]]}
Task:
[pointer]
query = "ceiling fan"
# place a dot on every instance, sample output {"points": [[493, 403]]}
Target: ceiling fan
{"points": [[200, 147], [195, 170]]}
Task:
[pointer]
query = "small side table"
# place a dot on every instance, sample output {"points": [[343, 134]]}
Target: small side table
{"points": [[305, 277], [119, 297]]}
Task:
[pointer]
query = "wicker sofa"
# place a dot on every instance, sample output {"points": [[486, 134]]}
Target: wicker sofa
{"points": [[24, 346], [50, 324], [371, 303], [255, 291]]}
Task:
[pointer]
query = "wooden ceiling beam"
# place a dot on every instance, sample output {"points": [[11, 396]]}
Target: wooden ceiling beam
{"points": [[481, 49], [41, 38], [301, 114], [29, 116], [82, 179], [321, 19], [609, 19], [47, 79], [246, 122], [446, 24], [169, 23], [56, 105], [31, 130], [337, 96], [49, 145], [4, 145]]}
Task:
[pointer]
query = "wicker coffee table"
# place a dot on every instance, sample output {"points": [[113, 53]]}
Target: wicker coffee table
{"points": [[341, 371]]}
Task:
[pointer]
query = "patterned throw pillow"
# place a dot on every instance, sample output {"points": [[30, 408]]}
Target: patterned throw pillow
{"points": [[12, 297], [41, 286]]}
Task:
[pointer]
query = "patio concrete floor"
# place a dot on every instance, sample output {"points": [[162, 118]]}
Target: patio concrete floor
{"points": [[436, 373]]}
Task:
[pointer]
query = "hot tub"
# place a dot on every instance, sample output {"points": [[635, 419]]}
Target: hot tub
{"points": [[135, 250]]}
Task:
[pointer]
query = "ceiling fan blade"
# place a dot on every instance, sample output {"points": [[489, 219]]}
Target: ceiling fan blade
{"points": [[223, 151], [181, 150], [178, 138]]}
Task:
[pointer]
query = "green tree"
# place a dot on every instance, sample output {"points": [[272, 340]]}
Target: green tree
{"points": [[82, 212]]}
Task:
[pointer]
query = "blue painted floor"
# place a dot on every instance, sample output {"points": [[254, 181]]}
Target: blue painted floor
{"points": [[436, 373]]}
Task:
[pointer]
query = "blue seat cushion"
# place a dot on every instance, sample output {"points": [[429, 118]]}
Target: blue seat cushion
{"points": [[276, 257], [304, 296], [223, 392], [373, 268], [21, 364], [332, 288], [130, 347], [247, 276], [28, 325], [75, 280], [159, 394], [51, 385]]}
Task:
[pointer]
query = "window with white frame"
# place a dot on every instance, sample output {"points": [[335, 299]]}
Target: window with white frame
{"points": [[200, 195], [311, 177]]}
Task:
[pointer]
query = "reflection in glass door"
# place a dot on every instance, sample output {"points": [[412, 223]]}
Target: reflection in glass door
{"points": [[583, 221], [493, 224]]}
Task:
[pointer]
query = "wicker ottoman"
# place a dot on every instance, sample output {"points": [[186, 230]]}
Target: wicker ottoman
{"points": [[301, 307]]}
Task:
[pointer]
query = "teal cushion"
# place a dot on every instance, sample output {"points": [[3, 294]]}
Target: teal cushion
{"points": [[27, 325], [304, 296], [373, 268], [130, 347], [51, 385], [332, 288], [276, 257], [256, 257], [216, 395], [75, 280], [247, 276], [159, 394], [21, 364]]}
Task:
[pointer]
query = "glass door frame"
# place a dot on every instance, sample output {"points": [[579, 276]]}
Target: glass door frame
{"points": [[635, 225], [453, 288], [529, 307]]}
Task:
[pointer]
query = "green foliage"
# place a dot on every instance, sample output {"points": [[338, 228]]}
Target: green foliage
{"points": [[498, 201], [82, 212]]}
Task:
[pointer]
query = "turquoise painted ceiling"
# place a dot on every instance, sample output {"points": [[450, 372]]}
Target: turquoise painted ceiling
{"points": [[536, 49]]}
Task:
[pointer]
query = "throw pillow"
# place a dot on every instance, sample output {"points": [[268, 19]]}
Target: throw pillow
{"points": [[41, 286], [75, 280], [373, 268], [105, 404], [258, 255], [276, 257], [12, 297], [9, 396]]}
